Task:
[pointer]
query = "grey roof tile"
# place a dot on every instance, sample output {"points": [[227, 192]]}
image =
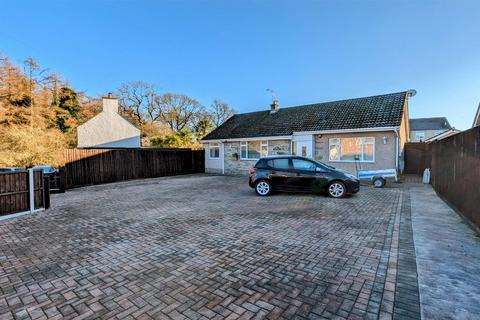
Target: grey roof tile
{"points": [[438, 123], [367, 112]]}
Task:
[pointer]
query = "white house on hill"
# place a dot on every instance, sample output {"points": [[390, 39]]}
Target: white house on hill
{"points": [[108, 129]]}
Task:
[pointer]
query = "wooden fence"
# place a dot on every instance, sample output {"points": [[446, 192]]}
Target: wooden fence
{"points": [[15, 192], [455, 172], [417, 157], [97, 166]]}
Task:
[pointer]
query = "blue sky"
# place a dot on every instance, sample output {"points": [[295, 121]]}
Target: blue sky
{"points": [[307, 51]]}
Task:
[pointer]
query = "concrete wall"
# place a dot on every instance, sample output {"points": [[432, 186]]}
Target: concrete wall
{"points": [[212, 165], [384, 153], [108, 130]]}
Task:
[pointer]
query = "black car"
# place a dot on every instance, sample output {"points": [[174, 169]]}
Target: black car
{"points": [[293, 173]]}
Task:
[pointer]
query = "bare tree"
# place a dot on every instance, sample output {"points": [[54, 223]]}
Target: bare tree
{"points": [[220, 112], [179, 111], [141, 101]]}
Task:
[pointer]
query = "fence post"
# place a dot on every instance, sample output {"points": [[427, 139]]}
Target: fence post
{"points": [[31, 190], [62, 179], [46, 192]]}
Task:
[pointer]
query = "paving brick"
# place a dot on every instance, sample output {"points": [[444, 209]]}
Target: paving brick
{"points": [[202, 247]]}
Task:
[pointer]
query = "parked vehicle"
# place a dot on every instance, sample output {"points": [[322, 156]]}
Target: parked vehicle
{"points": [[46, 169], [11, 169], [294, 173], [378, 178]]}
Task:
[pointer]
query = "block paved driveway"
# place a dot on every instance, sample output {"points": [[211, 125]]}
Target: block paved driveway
{"points": [[206, 247]]}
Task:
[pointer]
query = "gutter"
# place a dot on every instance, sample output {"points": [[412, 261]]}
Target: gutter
{"points": [[248, 139], [397, 147], [346, 130], [290, 137], [222, 150]]}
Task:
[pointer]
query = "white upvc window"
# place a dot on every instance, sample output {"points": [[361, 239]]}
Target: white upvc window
{"points": [[214, 151], [253, 150], [264, 148], [352, 149], [420, 135]]}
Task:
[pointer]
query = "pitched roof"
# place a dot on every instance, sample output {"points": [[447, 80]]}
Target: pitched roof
{"points": [[442, 135], [367, 112], [476, 120], [439, 123]]}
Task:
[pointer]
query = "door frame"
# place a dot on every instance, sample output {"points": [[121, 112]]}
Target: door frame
{"points": [[304, 140]]}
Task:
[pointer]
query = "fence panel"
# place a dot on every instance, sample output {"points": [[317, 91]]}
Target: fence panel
{"points": [[455, 172], [97, 166], [417, 157], [14, 192]]}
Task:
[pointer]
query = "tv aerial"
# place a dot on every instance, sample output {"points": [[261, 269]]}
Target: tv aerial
{"points": [[274, 95]]}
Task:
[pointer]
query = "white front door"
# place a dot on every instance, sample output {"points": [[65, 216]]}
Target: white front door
{"points": [[304, 146]]}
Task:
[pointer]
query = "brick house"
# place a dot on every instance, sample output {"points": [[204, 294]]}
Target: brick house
{"points": [[366, 133], [422, 129]]}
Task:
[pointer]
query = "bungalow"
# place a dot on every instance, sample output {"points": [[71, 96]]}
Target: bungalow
{"points": [[362, 133]]}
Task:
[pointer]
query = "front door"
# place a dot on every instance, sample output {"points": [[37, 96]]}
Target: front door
{"points": [[304, 149]]}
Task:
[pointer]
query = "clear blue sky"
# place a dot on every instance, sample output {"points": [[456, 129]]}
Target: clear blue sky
{"points": [[307, 51]]}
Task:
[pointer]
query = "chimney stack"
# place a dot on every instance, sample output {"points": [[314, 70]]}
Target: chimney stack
{"points": [[110, 103], [274, 106]]}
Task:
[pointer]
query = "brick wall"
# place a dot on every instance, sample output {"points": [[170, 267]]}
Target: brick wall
{"points": [[384, 153]]}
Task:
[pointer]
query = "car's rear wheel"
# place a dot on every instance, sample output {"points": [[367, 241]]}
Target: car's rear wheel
{"points": [[337, 189], [263, 188]]}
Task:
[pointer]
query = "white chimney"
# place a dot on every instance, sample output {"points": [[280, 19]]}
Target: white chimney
{"points": [[110, 103], [274, 106]]}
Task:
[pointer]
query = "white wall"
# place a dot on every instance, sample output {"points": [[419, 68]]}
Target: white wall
{"points": [[212, 165], [108, 130]]}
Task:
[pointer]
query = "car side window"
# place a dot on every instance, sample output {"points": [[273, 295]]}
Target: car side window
{"points": [[281, 164], [321, 168], [299, 164]]}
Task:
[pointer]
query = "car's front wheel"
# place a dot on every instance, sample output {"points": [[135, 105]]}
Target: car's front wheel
{"points": [[337, 189], [263, 188]]}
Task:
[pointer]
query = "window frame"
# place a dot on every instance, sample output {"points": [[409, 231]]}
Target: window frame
{"points": [[244, 144], [422, 133], [362, 143], [263, 143], [210, 148]]}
